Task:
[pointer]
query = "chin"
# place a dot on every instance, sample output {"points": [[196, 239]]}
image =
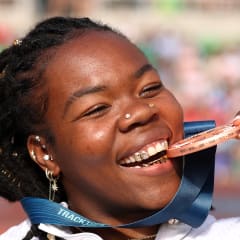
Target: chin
{"points": [[156, 200]]}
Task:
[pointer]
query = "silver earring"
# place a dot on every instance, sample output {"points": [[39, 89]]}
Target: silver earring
{"points": [[47, 157], [151, 105], [53, 187], [37, 138], [127, 115], [33, 155], [43, 146]]}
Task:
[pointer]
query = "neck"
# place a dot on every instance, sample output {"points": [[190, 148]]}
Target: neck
{"points": [[148, 233]]}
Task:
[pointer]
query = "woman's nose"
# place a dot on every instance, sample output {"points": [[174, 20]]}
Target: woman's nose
{"points": [[136, 115]]}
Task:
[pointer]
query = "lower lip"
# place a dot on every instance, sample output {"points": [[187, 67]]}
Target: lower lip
{"points": [[152, 170]]}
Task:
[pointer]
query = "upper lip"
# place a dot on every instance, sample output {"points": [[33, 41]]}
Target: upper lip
{"points": [[143, 140]]}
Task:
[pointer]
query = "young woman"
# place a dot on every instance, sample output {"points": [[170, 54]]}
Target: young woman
{"points": [[86, 121]]}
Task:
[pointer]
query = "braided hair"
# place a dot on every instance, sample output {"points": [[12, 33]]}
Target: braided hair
{"points": [[24, 101]]}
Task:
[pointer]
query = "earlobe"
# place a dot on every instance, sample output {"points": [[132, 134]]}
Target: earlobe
{"points": [[40, 154]]}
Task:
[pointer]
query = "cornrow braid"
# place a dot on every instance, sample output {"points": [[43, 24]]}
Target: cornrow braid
{"points": [[24, 101]]}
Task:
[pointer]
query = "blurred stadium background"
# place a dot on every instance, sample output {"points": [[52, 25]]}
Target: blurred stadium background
{"points": [[195, 45]]}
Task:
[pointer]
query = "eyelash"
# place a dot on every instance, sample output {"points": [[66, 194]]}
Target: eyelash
{"points": [[96, 110], [152, 90]]}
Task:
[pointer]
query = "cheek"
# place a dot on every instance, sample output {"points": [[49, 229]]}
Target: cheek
{"points": [[95, 141], [85, 156], [170, 105], [84, 143], [178, 112], [99, 135], [177, 122], [176, 108], [174, 114]]}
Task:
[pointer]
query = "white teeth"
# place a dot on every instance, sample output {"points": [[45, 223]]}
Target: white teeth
{"points": [[128, 160], [137, 166], [132, 159], [151, 151], [145, 154], [137, 157], [161, 146]]}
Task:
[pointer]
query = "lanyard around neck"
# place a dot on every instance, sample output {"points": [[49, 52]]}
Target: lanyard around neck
{"points": [[190, 205]]}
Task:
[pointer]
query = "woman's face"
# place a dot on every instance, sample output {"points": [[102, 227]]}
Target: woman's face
{"points": [[93, 82]]}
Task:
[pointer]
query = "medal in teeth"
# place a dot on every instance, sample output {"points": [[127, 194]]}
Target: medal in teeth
{"points": [[142, 155]]}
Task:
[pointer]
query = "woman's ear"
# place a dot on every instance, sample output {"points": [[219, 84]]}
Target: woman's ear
{"points": [[41, 154]]}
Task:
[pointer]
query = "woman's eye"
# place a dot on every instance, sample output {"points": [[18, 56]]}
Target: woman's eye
{"points": [[96, 110], [151, 90]]}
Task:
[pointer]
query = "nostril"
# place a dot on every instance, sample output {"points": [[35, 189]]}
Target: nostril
{"points": [[132, 124]]}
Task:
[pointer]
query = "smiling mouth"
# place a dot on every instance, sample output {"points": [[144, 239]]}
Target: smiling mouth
{"points": [[151, 154]]}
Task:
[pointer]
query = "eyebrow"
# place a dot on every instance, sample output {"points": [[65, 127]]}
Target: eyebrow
{"points": [[141, 71], [80, 93]]}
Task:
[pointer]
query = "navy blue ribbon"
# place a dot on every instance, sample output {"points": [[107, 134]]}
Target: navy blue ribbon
{"points": [[190, 205]]}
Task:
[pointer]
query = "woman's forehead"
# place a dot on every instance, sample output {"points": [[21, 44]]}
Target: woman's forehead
{"points": [[95, 53], [95, 45]]}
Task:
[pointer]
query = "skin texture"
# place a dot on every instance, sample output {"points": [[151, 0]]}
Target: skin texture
{"points": [[93, 81]]}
